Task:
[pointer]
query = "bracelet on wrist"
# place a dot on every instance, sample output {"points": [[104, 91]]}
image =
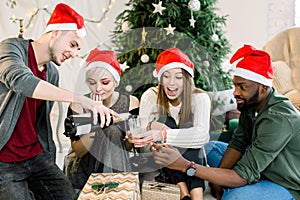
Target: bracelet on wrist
{"points": [[163, 139]]}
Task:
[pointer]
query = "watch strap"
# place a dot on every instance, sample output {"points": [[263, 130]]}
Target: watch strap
{"points": [[193, 165]]}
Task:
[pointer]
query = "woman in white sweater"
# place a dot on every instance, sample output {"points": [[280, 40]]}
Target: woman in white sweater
{"points": [[183, 113]]}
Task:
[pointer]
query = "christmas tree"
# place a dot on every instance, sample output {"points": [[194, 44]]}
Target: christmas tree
{"points": [[148, 27]]}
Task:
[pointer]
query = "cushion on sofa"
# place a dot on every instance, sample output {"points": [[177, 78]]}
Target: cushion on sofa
{"points": [[294, 96], [282, 77]]}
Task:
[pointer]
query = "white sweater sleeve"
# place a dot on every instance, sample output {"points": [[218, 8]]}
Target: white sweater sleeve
{"points": [[148, 106], [198, 135]]}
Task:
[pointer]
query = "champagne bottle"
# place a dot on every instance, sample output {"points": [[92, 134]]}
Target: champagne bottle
{"points": [[81, 124]]}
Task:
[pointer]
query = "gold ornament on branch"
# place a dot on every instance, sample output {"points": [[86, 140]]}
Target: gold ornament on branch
{"points": [[13, 19], [144, 34]]}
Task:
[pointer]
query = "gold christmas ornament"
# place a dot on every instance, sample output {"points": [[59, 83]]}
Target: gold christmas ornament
{"points": [[144, 34]]}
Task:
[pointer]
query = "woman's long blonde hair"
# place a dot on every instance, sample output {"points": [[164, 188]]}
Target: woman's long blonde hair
{"points": [[185, 113]]}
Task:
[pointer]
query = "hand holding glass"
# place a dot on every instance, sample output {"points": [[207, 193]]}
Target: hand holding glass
{"points": [[134, 124]]}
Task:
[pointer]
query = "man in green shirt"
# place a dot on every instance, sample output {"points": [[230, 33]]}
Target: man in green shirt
{"points": [[262, 159]]}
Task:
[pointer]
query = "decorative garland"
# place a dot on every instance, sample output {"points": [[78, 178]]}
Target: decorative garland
{"points": [[12, 4]]}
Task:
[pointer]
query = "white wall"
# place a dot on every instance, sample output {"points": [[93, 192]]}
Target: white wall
{"points": [[247, 22], [256, 21]]}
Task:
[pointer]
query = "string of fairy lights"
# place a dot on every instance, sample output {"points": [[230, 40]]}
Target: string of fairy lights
{"points": [[29, 23]]}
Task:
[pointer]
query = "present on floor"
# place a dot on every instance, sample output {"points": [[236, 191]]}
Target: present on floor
{"points": [[156, 191], [117, 186]]}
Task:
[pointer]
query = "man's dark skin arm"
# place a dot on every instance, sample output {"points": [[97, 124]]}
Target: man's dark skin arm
{"points": [[170, 157], [230, 158]]}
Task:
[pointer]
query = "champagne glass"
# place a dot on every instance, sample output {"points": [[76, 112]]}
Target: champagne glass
{"points": [[135, 127], [134, 124]]}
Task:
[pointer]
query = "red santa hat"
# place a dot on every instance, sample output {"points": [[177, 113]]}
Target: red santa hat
{"points": [[65, 18], [104, 59], [254, 65], [172, 58]]}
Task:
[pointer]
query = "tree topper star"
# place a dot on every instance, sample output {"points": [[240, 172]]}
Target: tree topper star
{"points": [[170, 29], [158, 8]]}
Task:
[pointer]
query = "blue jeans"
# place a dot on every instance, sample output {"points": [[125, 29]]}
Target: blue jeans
{"points": [[36, 178], [262, 190]]}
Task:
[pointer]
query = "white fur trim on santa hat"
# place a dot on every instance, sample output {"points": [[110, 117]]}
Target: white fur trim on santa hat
{"points": [[173, 65], [81, 32], [67, 27], [250, 75], [106, 66]]}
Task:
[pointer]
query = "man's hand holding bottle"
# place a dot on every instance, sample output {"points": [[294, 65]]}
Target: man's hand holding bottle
{"points": [[96, 107]]}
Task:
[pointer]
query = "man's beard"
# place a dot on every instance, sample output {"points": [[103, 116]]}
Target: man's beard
{"points": [[250, 103], [53, 58]]}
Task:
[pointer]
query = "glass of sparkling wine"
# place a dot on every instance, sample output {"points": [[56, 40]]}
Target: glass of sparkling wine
{"points": [[134, 124]]}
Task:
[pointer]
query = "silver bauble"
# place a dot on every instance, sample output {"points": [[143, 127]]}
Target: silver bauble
{"points": [[194, 5]]}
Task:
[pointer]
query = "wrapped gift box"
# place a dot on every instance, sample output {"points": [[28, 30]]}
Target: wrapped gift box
{"points": [[156, 191], [117, 186]]}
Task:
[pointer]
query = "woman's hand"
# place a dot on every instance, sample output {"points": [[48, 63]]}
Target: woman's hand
{"points": [[147, 137], [128, 141], [128, 137], [154, 125]]}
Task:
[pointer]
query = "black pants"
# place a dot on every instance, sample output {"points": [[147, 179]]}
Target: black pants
{"points": [[197, 155]]}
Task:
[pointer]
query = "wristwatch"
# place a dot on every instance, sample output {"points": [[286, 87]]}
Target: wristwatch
{"points": [[191, 171]]}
